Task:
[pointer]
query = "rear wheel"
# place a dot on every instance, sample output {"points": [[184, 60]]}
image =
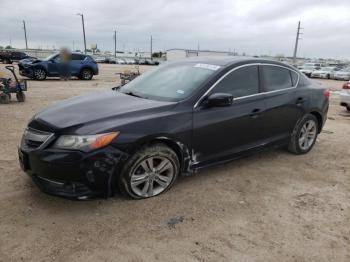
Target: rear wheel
{"points": [[348, 108], [149, 172], [21, 97], [86, 74], [4, 98], [39, 74], [304, 135]]}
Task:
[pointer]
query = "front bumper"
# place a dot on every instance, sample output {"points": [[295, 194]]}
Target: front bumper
{"points": [[25, 71], [73, 174]]}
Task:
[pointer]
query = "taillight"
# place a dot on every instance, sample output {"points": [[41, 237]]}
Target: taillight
{"points": [[326, 93], [346, 85]]}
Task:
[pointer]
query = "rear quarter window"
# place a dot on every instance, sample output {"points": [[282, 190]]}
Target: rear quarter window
{"points": [[276, 78]]}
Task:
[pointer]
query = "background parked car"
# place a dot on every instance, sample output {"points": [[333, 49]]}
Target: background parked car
{"points": [[8, 57], [345, 96], [307, 70], [325, 72], [82, 66], [343, 74]]}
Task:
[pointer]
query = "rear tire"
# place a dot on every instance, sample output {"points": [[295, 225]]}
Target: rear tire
{"points": [[4, 98], [21, 97], [151, 171], [304, 135], [348, 108], [86, 74], [39, 74]]}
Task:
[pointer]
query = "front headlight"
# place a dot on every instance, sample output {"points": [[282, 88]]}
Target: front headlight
{"points": [[84, 143]]}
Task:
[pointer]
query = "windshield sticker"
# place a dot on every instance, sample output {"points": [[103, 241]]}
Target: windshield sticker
{"points": [[207, 66], [180, 92]]}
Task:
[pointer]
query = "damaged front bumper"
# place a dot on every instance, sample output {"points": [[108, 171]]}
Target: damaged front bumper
{"points": [[73, 174]]}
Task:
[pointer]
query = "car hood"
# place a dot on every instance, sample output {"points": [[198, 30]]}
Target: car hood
{"points": [[104, 106], [321, 72], [29, 61]]}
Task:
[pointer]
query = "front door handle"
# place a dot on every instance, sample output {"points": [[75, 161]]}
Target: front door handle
{"points": [[255, 113]]}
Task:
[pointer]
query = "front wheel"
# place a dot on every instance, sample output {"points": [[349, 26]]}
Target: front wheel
{"points": [[39, 74], [304, 135], [149, 172], [21, 97]]}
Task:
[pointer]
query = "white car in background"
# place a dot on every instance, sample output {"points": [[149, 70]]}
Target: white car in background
{"points": [[345, 96], [325, 72], [343, 74], [308, 70]]}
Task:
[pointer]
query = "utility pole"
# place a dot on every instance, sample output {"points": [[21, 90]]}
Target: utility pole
{"points": [[296, 43], [198, 48], [151, 48], [115, 43], [82, 21], [25, 33]]}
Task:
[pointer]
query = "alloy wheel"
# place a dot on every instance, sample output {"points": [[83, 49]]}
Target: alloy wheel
{"points": [[40, 74], [152, 176], [307, 135]]}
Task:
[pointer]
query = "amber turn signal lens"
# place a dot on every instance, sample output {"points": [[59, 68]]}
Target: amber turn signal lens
{"points": [[104, 140]]}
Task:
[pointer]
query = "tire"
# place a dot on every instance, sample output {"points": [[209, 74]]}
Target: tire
{"points": [[348, 108], [4, 98], [328, 77], [139, 180], [21, 97], [86, 74], [39, 74], [304, 135]]}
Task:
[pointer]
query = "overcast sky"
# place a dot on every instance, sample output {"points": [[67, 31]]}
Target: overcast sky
{"points": [[252, 26]]}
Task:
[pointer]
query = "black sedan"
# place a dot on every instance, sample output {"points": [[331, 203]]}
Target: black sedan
{"points": [[172, 120]]}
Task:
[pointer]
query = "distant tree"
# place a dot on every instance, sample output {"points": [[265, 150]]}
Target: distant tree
{"points": [[1, 47], [8, 47], [157, 54]]}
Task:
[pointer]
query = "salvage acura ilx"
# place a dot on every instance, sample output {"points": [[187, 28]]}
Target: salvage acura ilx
{"points": [[173, 120]]}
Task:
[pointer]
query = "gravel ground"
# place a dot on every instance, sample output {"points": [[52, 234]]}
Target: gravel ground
{"points": [[272, 206]]}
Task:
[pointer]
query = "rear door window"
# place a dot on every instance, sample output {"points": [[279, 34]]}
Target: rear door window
{"points": [[78, 57], [276, 78], [241, 82]]}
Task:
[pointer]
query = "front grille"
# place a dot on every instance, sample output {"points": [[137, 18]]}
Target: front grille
{"points": [[34, 139]]}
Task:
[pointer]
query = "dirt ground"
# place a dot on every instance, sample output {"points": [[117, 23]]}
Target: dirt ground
{"points": [[273, 206]]}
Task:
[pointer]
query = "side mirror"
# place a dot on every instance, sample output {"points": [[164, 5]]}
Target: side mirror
{"points": [[116, 88], [219, 99]]}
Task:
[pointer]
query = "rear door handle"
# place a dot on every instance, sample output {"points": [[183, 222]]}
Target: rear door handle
{"points": [[255, 113]]}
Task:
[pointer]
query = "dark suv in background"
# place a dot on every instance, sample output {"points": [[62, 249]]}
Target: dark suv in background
{"points": [[82, 66], [7, 57]]}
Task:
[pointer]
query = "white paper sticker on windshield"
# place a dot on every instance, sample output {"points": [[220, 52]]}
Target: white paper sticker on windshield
{"points": [[207, 66], [180, 92]]}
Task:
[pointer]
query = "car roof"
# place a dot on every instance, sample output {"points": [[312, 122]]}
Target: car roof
{"points": [[230, 60]]}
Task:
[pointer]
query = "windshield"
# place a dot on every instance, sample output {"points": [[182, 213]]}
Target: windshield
{"points": [[49, 57], [170, 82], [309, 67]]}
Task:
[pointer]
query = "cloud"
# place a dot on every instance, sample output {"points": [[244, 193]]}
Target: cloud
{"points": [[251, 26]]}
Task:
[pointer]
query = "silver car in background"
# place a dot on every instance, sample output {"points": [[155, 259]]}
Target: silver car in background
{"points": [[343, 74], [325, 72], [308, 70]]}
